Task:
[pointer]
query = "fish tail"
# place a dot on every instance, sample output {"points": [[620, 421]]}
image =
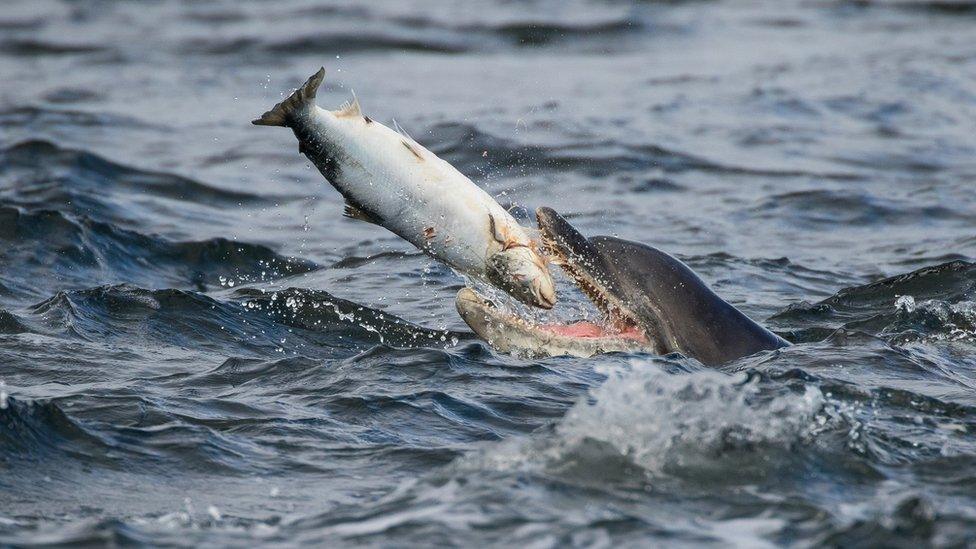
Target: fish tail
{"points": [[284, 113]]}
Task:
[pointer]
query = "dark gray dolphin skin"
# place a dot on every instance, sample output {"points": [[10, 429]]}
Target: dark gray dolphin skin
{"points": [[650, 300]]}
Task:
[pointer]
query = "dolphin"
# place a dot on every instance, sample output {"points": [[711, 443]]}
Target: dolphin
{"points": [[651, 302]]}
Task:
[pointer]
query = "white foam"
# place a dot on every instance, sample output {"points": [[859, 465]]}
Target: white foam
{"points": [[653, 419], [649, 415]]}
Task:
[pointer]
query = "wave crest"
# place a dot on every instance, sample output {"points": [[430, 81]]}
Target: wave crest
{"points": [[945, 292], [644, 421]]}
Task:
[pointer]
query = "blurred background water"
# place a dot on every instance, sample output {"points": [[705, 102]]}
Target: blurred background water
{"points": [[197, 348]]}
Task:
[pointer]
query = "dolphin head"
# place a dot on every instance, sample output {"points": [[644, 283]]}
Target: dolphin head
{"points": [[611, 276], [650, 301]]}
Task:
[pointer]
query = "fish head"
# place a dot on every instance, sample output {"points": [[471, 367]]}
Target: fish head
{"points": [[522, 273]]}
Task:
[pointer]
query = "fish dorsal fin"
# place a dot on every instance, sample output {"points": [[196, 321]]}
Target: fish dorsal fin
{"points": [[353, 211], [403, 133], [413, 147], [350, 109]]}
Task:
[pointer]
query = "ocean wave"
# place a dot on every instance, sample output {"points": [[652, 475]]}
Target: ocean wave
{"points": [[875, 308], [701, 424], [82, 251], [44, 118], [40, 47], [541, 32], [746, 280], [33, 431], [10, 323], [39, 173], [932, 320], [949, 7], [644, 419], [171, 318], [359, 42], [465, 146], [40, 432], [83, 532], [27, 23], [326, 44], [351, 262], [646, 435], [908, 520], [411, 33], [265, 323], [849, 207], [319, 311]]}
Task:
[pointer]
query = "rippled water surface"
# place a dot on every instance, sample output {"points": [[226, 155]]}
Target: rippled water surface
{"points": [[196, 347]]}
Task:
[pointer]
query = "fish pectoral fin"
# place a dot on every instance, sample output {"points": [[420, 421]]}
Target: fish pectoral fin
{"points": [[352, 211], [502, 234], [494, 229]]}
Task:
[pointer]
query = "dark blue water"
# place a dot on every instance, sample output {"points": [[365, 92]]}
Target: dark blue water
{"points": [[197, 348]]}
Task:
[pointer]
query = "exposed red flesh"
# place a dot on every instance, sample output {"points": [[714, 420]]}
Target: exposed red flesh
{"points": [[583, 329]]}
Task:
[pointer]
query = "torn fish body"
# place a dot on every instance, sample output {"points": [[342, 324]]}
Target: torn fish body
{"points": [[389, 179]]}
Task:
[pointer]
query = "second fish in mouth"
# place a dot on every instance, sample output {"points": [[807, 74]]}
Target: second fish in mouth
{"points": [[389, 179]]}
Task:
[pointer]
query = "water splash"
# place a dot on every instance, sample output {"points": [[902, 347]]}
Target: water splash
{"points": [[655, 418], [645, 417]]}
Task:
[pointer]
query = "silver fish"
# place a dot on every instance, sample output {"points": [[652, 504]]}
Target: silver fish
{"points": [[389, 179]]}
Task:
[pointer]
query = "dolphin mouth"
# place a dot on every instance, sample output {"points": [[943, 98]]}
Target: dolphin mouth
{"points": [[509, 333], [565, 246], [619, 329], [470, 300]]}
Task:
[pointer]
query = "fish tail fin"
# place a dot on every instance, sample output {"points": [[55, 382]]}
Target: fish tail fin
{"points": [[283, 113]]}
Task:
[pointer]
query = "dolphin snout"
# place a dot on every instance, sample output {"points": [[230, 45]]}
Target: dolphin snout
{"points": [[561, 238], [467, 296]]}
